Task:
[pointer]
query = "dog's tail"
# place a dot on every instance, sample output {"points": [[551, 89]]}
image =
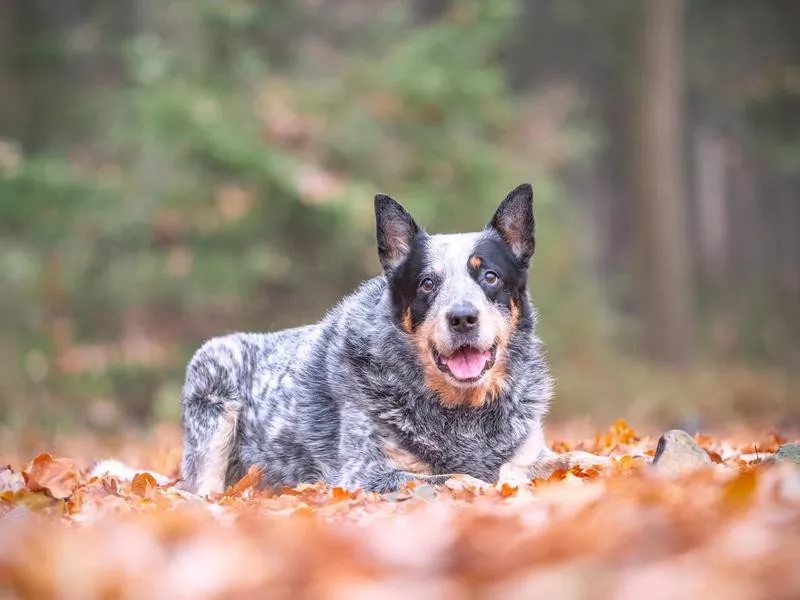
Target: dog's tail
{"points": [[124, 472]]}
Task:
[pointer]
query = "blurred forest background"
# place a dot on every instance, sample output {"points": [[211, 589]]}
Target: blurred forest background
{"points": [[171, 170]]}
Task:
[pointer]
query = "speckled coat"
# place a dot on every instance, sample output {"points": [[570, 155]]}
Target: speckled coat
{"points": [[348, 401]]}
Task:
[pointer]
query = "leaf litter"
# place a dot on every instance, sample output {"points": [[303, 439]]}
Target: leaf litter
{"points": [[729, 530]]}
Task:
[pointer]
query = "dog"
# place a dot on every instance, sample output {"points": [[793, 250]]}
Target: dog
{"points": [[429, 370]]}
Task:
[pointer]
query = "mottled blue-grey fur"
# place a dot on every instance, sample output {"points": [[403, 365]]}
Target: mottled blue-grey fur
{"points": [[325, 401]]}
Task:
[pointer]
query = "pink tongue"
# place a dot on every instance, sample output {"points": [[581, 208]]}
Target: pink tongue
{"points": [[467, 363]]}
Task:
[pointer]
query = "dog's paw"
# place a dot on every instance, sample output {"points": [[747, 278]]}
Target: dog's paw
{"points": [[513, 475], [586, 460], [459, 482]]}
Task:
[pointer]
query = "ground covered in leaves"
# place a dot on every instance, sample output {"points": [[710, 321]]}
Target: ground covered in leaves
{"points": [[729, 530]]}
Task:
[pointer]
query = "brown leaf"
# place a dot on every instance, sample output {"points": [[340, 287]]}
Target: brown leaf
{"points": [[75, 504], [111, 485], [57, 477], [339, 494], [739, 493], [507, 490], [32, 501], [142, 484], [251, 480], [624, 433]]}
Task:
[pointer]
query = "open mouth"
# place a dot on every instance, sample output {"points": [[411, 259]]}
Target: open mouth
{"points": [[467, 364]]}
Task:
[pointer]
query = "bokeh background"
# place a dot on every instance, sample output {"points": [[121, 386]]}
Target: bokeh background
{"points": [[171, 170]]}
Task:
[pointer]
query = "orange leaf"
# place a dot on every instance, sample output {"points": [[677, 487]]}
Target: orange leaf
{"points": [[703, 440], [625, 463], [250, 480], [142, 483], [561, 447], [624, 433], [507, 490], [340, 493], [774, 440], [75, 503], [57, 477], [738, 493]]}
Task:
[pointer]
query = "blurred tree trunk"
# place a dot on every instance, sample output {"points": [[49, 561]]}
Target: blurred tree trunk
{"points": [[665, 281]]}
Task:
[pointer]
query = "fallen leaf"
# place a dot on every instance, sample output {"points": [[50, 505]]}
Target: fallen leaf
{"points": [[340, 494], [739, 492], [57, 477], [143, 484], [507, 490], [251, 480]]}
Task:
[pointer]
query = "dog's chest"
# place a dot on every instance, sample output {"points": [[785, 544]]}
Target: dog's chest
{"points": [[473, 445]]}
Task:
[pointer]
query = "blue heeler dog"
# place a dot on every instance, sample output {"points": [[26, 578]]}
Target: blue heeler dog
{"points": [[429, 370]]}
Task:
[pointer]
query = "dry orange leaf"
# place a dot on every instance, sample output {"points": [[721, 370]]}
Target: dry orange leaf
{"points": [[57, 477], [739, 492], [143, 483], [507, 490], [251, 480], [637, 531], [625, 463], [624, 433], [340, 493]]}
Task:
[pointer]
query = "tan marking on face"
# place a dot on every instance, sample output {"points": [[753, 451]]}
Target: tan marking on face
{"points": [[475, 262], [405, 460], [408, 324], [514, 316]]}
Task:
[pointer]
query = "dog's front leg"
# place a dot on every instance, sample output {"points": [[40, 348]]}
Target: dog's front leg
{"points": [[376, 472], [549, 462], [392, 480]]}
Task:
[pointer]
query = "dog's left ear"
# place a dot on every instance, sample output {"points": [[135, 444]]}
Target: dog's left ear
{"points": [[515, 224], [395, 229]]}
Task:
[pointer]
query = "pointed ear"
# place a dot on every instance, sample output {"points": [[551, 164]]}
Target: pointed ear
{"points": [[514, 222], [396, 231]]}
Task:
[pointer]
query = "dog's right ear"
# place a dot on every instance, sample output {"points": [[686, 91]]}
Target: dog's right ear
{"points": [[396, 230]]}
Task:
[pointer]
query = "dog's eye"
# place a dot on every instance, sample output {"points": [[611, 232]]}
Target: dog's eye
{"points": [[427, 285], [491, 278]]}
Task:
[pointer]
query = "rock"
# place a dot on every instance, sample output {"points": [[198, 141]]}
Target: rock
{"points": [[789, 453], [677, 452]]}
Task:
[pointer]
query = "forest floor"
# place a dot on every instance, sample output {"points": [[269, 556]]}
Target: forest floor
{"points": [[730, 530]]}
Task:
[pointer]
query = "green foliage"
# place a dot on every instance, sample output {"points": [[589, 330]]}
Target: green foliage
{"points": [[214, 169], [231, 189]]}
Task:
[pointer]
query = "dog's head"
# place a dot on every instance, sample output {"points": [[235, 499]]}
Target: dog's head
{"points": [[461, 297]]}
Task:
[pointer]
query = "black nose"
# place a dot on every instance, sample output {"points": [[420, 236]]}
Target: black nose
{"points": [[463, 318]]}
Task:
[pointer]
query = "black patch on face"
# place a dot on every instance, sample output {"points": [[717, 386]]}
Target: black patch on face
{"points": [[496, 255], [405, 280]]}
